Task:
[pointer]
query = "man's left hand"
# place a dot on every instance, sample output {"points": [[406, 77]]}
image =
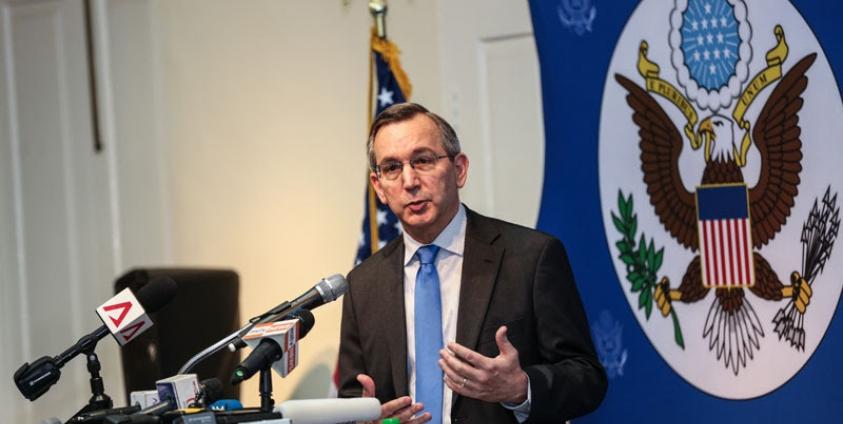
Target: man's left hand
{"points": [[498, 379]]}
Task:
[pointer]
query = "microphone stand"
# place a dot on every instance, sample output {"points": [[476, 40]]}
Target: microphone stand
{"points": [[267, 403], [99, 400], [233, 337], [214, 348]]}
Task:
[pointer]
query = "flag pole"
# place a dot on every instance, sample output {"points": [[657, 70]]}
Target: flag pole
{"points": [[378, 10]]}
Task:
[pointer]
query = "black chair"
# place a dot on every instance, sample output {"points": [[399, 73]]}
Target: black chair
{"points": [[205, 309]]}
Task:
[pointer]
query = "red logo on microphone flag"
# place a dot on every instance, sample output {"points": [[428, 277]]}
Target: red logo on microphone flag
{"points": [[725, 236], [130, 331], [124, 308], [292, 359], [133, 329]]}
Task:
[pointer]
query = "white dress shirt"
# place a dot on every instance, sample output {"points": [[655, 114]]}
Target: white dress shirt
{"points": [[448, 261]]}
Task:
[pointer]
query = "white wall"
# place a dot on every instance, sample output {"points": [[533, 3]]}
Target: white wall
{"points": [[264, 127]]}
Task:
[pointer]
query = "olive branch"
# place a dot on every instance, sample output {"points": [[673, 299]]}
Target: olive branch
{"points": [[642, 261]]}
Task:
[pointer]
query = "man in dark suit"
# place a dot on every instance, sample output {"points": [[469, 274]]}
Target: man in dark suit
{"points": [[464, 318]]}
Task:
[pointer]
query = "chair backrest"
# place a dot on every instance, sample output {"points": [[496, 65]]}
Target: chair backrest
{"points": [[205, 309]]}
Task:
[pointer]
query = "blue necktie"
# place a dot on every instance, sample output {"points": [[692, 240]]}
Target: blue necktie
{"points": [[428, 333]]}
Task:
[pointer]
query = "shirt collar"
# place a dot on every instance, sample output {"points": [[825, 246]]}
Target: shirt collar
{"points": [[451, 239]]}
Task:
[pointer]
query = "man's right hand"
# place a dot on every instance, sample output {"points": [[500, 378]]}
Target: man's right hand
{"points": [[402, 408]]}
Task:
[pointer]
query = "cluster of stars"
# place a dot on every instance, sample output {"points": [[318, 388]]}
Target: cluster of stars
{"points": [[710, 41]]}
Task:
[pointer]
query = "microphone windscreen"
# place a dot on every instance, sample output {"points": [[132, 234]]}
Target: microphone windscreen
{"points": [[307, 320], [156, 293], [211, 389], [330, 411], [338, 286]]}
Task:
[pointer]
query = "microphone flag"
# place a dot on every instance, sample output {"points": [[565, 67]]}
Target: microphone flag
{"points": [[180, 389], [124, 316], [286, 334]]}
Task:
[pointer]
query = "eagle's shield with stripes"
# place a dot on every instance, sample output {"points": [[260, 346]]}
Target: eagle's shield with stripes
{"points": [[725, 236]]}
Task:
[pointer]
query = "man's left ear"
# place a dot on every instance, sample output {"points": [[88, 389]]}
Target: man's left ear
{"points": [[461, 165]]}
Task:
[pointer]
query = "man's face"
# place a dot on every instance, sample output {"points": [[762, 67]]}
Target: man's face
{"points": [[424, 201]]}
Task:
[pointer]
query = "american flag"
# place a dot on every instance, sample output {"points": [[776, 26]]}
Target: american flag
{"points": [[379, 223], [725, 236]]}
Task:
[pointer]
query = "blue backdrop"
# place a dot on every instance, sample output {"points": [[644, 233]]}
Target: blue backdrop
{"points": [[576, 41]]}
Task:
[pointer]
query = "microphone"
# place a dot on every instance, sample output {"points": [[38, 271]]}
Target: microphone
{"points": [[271, 342], [143, 398], [325, 291], [238, 342], [178, 391], [33, 380], [210, 390], [330, 411]]}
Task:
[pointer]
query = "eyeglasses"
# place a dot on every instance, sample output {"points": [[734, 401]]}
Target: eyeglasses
{"points": [[391, 170]]}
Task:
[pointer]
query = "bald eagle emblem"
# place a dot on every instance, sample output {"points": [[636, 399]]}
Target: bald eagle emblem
{"points": [[745, 129]]}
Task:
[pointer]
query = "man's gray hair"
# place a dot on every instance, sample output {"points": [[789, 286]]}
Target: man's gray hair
{"points": [[404, 112]]}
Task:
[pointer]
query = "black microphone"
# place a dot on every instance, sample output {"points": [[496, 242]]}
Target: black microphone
{"points": [[238, 342], [269, 350], [325, 291], [210, 391], [33, 380]]}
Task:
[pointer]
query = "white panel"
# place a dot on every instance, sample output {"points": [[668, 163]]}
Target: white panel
{"points": [[45, 202], [42, 143], [13, 408], [61, 216], [512, 126], [137, 136], [491, 86]]}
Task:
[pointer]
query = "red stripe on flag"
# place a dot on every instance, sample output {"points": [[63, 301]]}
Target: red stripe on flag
{"points": [[712, 262], [740, 250], [732, 253], [715, 266], [748, 250], [721, 253], [709, 251], [727, 249], [715, 263], [705, 247]]}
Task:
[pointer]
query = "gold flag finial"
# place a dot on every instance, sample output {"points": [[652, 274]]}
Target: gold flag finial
{"points": [[378, 10]]}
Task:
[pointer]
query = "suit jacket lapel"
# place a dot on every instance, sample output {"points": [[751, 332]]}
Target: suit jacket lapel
{"points": [[395, 332], [481, 262]]}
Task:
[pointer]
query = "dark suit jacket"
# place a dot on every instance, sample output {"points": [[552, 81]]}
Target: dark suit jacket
{"points": [[511, 276]]}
